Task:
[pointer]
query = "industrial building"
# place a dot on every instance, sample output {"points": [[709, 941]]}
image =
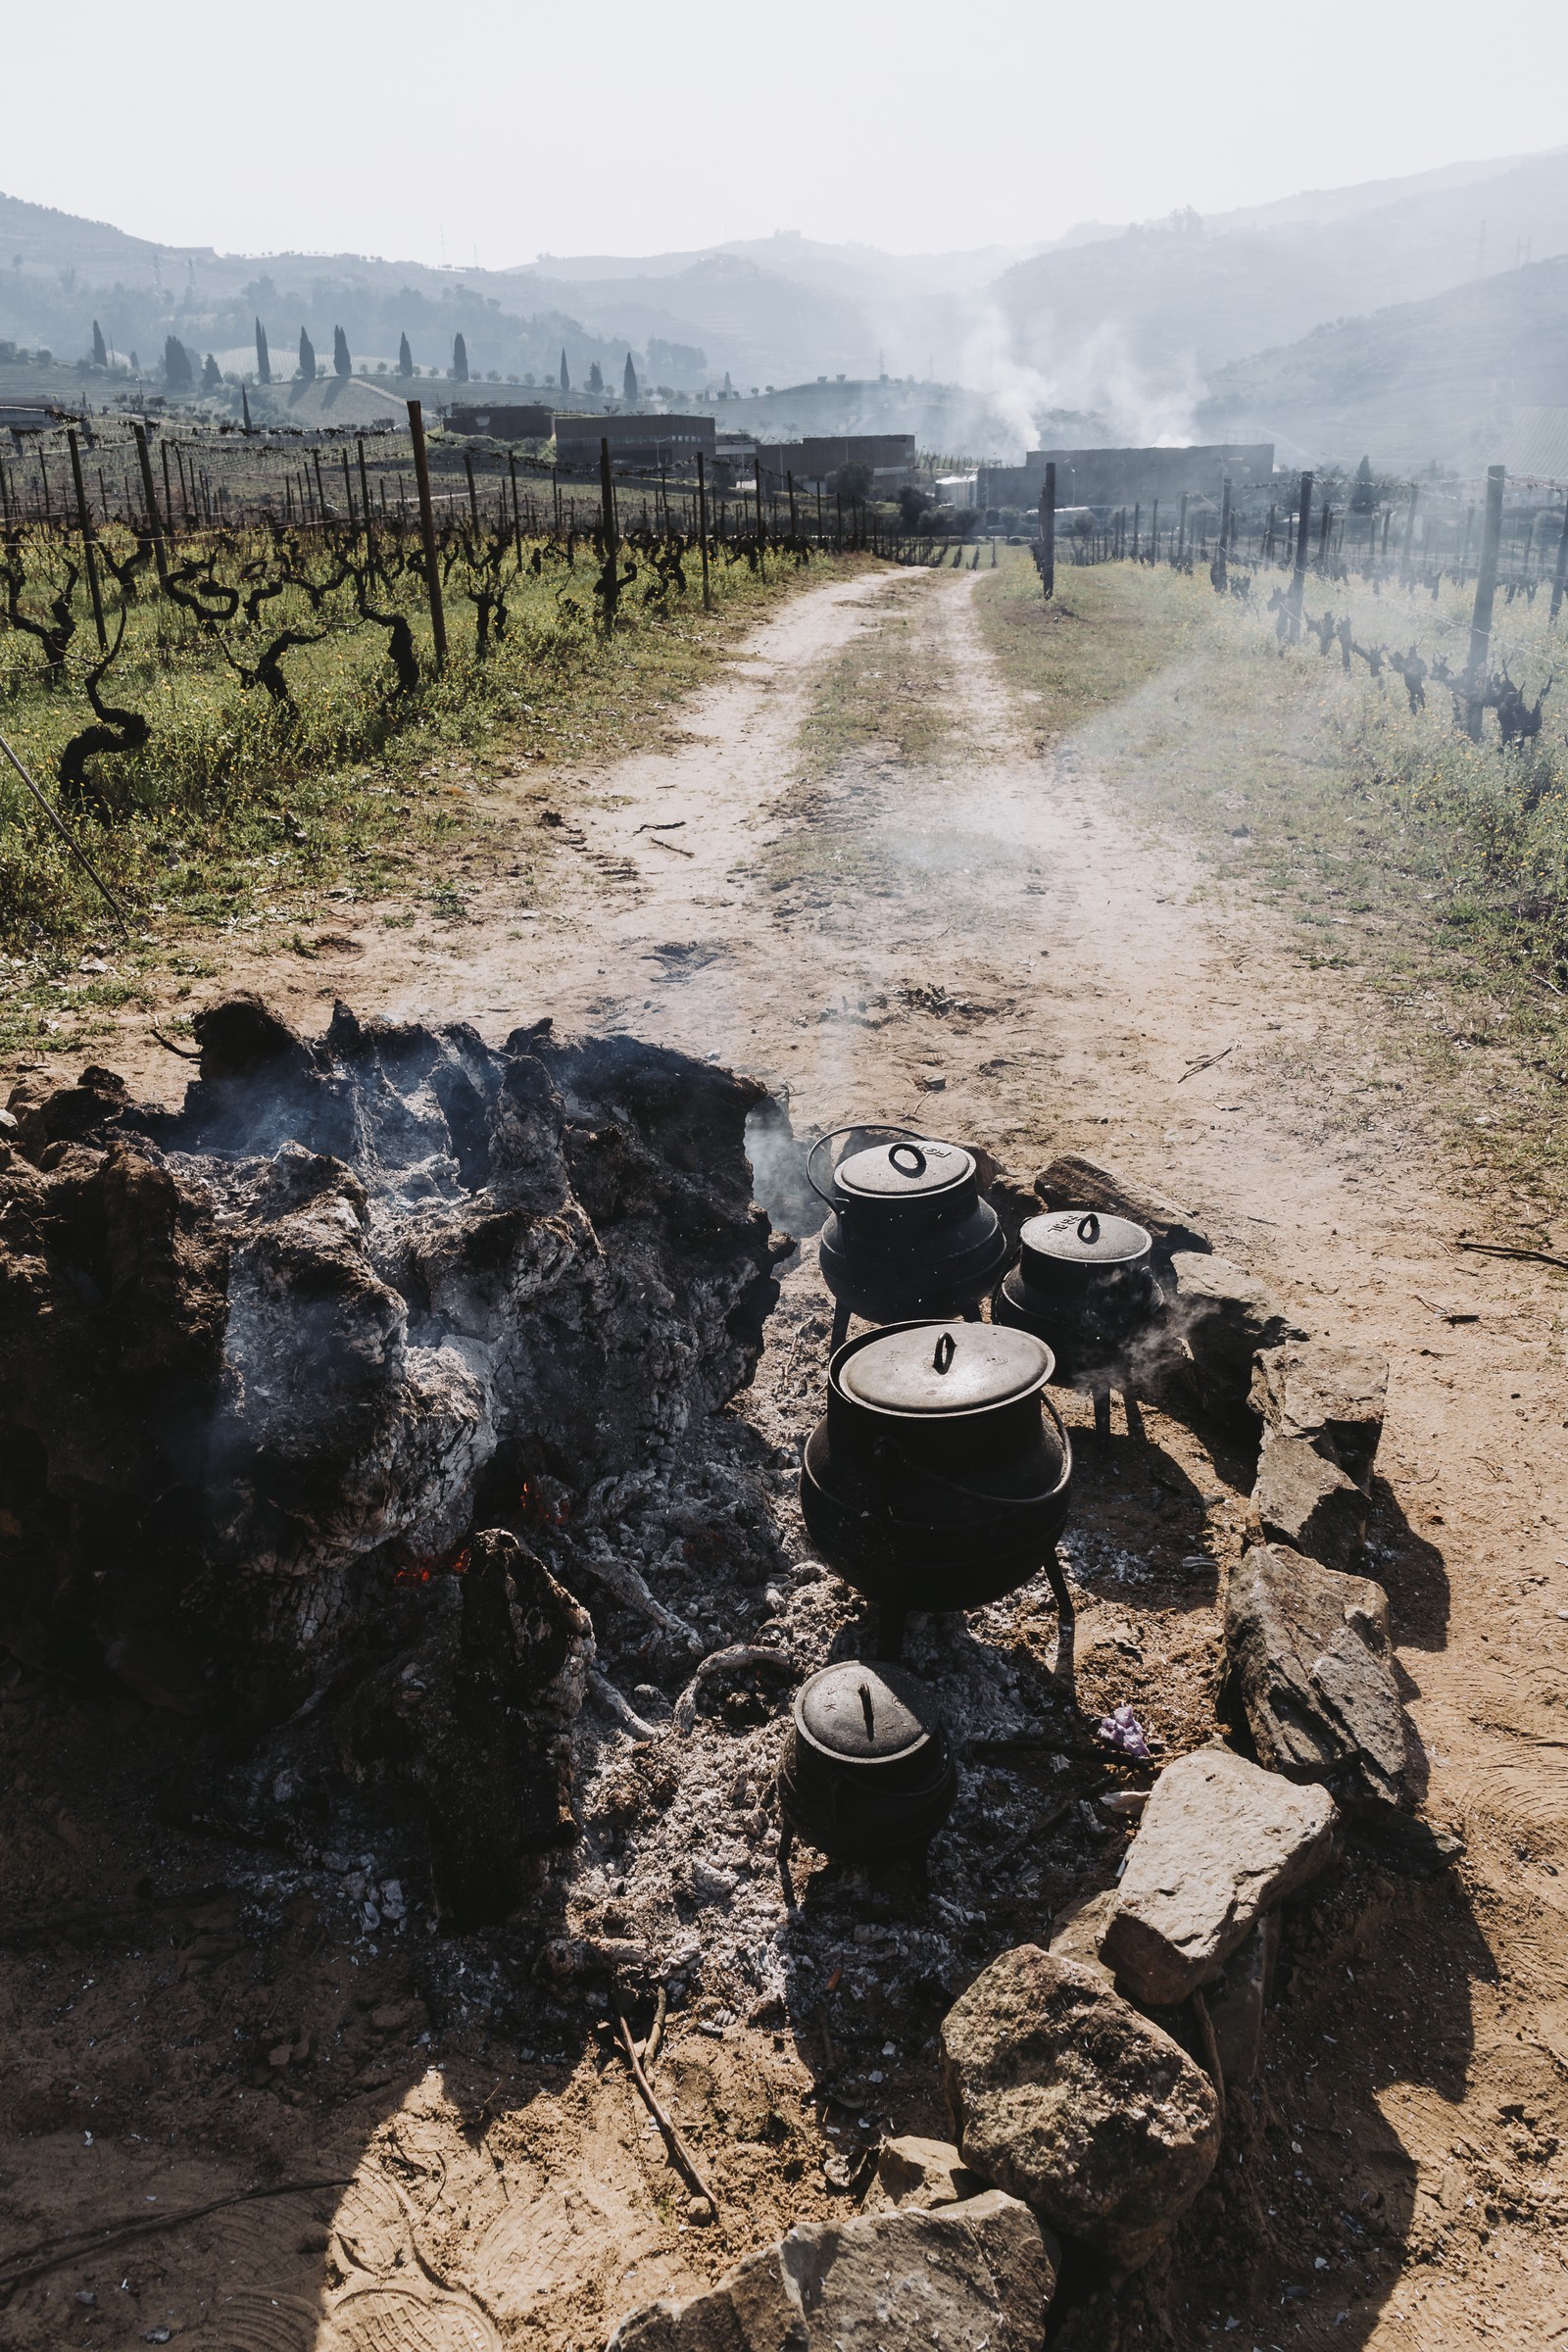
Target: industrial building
{"points": [[888, 457], [670, 442], [503, 421], [1125, 477]]}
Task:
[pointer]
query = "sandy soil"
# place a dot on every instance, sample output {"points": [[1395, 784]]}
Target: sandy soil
{"points": [[1003, 957]]}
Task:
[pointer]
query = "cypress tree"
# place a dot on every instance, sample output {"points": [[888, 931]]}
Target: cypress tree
{"points": [[176, 365], [212, 374], [628, 381], [460, 360], [342, 365], [263, 358], [405, 357], [100, 350], [307, 358], [595, 381], [566, 380]]}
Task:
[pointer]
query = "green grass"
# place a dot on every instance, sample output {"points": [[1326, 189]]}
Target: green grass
{"points": [[240, 813], [1436, 866]]}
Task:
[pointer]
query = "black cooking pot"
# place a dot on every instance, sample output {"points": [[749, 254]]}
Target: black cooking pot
{"points": [[868, 1769], [908, 1233], [939, 1476], [1084, 1284]]}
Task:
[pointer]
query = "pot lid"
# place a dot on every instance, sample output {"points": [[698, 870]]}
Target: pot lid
{"points": [[910, 1170], [1083, 1238], [946, 1368], [864, 1713]]}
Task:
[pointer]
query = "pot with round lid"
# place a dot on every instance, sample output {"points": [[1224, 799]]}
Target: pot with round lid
{"points": [[939, 1476], [1085, 1284], [869, 1768], [908, 1232]]}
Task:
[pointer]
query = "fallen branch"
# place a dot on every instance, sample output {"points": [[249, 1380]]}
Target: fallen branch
{"points": [[50, 2252], [656, 2039], [68, 837], [1539, 1258], [680, 2154], [632, 1590], [620, 1706], [1208, 1063], [674, 846]]}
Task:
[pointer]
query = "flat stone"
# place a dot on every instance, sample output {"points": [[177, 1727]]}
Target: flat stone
{"points": [[976, 2276], [1225, 1316], [1236, 2003], [1303, 1499], [1063, 2095], [1335, 1397], [1221, 1841], [1312, 1664], [924, 2172]]}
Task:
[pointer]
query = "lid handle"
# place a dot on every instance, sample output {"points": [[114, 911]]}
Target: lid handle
{"points": [[947, 1348], [1089, 1228], [868, 1710], [834, 1198], [914, 1153]]}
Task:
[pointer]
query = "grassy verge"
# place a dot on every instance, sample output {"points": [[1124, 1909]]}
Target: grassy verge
{"points": [[241, 814], [1439, 868]]}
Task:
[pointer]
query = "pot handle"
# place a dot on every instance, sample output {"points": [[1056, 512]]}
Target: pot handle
{"points": [[888, 1454], [855, 1127]]}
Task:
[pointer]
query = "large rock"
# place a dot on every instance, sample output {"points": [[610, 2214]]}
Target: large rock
{"points": [[1225, 1316], [1219, 1842], [1332, 1397], [1303, 1499], [977, 2276], [1064, 2096], [1312, 1664]]}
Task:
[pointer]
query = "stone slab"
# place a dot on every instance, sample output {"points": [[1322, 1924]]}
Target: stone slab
{"points": [[1303, 1499], [1335, 1397], [1311, 1661]]}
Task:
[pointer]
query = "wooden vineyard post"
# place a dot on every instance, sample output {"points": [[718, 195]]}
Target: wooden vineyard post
{"points": [[1181, 534], [1138, 516], [517, 511], [1217, 570], [702, 527], [364, 496], [1410, 538], [1303, 525], [1048, 531], [762, 527], [169, 495], [611, 533], [150, 495], [348, 486], [84, 521], [1485, 594], [473, 495], [1560, 580], [433, 569], [790, 480]]}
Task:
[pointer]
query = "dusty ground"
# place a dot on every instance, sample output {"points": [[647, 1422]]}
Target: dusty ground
{"points": [[977, 943]]}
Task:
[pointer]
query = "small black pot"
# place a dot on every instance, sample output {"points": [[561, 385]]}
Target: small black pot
{"points": [[939, 1476], [868, 1770], [908, 1233], [1085, 1284]]}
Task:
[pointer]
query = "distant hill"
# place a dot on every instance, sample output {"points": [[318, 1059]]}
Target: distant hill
{"points": [[1135, 324], [1422, 380]]}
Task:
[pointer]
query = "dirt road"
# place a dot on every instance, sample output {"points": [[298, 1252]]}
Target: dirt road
{"points": [[983, 943]]}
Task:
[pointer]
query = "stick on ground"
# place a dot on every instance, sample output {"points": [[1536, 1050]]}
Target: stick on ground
{"points": [[685, 2162]]}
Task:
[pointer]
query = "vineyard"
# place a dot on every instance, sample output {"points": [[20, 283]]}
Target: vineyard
{"points": [[226, 656]]}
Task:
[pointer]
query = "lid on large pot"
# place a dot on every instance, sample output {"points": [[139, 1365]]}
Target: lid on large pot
{"points": [[913, 1169], [1083, 1240], [929, 1368], [863, 1714]]}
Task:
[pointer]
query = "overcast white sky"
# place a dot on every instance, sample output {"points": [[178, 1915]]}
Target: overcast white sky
{"points": [[495, 133]]}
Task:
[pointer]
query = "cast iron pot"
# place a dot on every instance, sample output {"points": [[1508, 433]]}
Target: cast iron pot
{"points": [[1085, 1284], [939, 1476], [868, 1769], [908, 1233]]}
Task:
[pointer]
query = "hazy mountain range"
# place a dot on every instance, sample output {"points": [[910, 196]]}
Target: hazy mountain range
{"points": [[1405, 316]]}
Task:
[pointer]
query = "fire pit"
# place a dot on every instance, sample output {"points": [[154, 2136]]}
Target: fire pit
{"points": [[939, 1476], [908, 1234]]}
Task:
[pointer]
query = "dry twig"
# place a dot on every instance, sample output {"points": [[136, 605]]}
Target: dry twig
{"points": [[680, 2154], [1208, 1063], [1539, 1258]]}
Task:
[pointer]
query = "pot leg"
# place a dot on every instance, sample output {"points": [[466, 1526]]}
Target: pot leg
{"points": [[891, 1624], [840, 1325], [1102, 1414], [1135, 1418]]}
